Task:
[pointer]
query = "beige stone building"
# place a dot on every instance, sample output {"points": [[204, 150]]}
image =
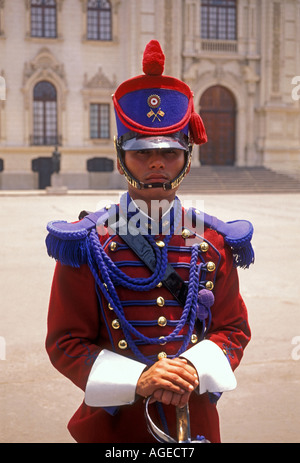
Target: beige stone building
{"points": [[61, 60]]}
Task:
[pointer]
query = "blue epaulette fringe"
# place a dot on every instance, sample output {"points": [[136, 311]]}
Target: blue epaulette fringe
{"points": [[66, 249], [67, 242], [242, 250]]}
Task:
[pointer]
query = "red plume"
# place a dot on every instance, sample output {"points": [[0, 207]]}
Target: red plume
{"points": [[153, 59]]}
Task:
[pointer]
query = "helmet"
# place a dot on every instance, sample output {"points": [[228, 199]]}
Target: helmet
{"points": [[154, 111]]}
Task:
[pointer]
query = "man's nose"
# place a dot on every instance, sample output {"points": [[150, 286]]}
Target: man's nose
{"points": [[156, 159]]}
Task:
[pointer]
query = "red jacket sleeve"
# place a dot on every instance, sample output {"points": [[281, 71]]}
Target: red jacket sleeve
{"points": [[73, 323], [229, 327]]}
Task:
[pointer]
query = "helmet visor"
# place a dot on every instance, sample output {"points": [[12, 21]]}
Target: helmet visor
{"points": [[156, 142]]}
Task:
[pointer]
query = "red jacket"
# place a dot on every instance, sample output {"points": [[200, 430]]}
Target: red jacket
{"points": [[80, 325]]}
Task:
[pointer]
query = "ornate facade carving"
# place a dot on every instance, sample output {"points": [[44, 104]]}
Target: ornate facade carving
{"points": [[44, 67], [99, 80]]}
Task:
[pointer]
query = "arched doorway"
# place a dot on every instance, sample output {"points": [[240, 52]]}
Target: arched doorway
{"points": [[218, 111]]}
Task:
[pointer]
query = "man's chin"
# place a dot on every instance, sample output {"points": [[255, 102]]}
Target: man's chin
{"points": [[151, 193]]}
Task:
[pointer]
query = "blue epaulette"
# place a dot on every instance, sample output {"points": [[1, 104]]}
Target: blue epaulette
{"points": [[237, 234], [67, 242]]}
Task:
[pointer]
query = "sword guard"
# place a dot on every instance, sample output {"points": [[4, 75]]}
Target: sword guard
{"points": [[183, 427]]}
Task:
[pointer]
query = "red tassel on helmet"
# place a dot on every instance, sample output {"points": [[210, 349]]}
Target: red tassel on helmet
{"points": [[153, 59], [197, 129]]}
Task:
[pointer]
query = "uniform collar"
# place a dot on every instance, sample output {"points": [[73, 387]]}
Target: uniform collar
{"points": [[151, 225]]}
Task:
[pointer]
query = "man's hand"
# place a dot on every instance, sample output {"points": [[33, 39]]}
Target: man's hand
{"points": [[170, 381]]}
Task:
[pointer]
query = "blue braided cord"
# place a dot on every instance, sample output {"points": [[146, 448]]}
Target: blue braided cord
{"points": [[192, 296], [98, 259], [112, 298], [113, 302], [119, 277]]}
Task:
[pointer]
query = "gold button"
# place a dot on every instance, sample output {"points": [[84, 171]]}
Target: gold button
{"points": [[113, 246], [159, 285], [115, 324], [108, 206], [186, 233], [209, 285], [160, 244], [110, 307], [160, 301], [162, 321], [162, 343], [122, 344], [162, 355], [204, 246], [211, 266], [194, 339], [224, 352]]}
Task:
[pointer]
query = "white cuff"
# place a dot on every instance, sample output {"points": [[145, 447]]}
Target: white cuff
{"points": [[112, 380], [213, 368]]}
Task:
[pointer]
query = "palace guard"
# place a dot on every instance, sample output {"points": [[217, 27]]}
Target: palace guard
{"points": [[145, 298]]}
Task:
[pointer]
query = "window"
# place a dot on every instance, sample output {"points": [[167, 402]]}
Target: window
{"points": [[43, 18], [99, 120], [99, 20], [218, 19], [44, 114]]}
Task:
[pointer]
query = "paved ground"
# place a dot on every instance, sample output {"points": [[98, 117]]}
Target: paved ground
{"points": [[36, 402]]}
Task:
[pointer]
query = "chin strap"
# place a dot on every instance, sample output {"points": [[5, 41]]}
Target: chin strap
{"points": [[165, 185]]}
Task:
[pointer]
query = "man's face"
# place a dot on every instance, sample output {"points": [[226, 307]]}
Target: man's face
{"points": [[154, 166]]}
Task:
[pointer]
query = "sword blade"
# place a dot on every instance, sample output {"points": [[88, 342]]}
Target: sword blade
{"points": [[183, 424]]}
